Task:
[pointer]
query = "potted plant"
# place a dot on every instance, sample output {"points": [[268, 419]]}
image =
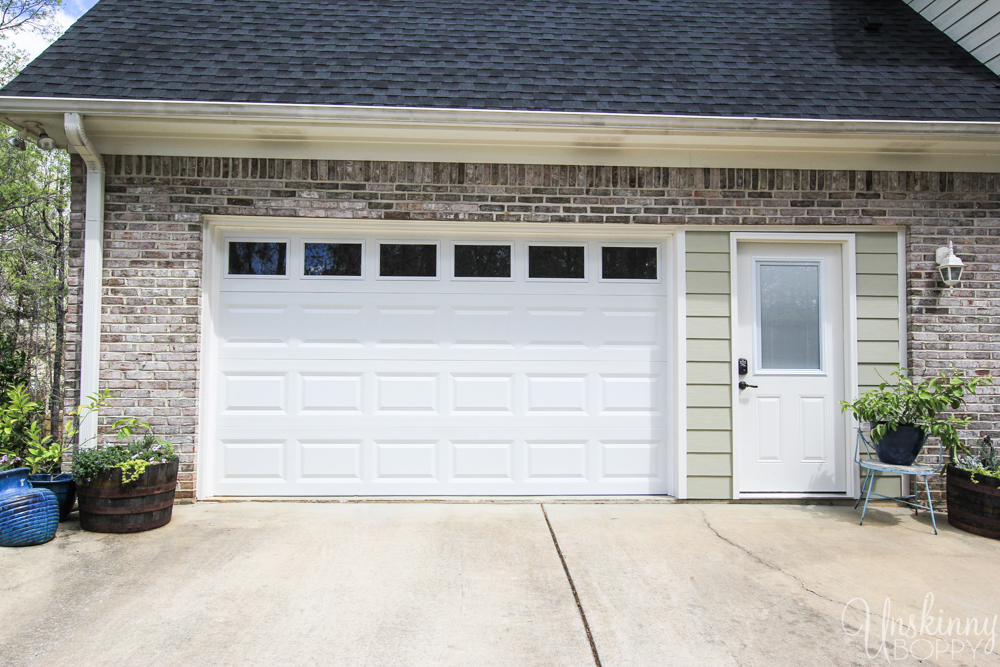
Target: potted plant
{"points": [[904, 414], [973, 490], [125, 487], [42, 455]]}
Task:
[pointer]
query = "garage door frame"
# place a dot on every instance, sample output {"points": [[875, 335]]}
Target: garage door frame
{"points": [[672, 281]]}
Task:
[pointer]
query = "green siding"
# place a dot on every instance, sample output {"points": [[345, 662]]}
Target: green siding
{"points": [[704, 372], [708, 305], [709, 488], [878, 319], [709, 372], [710, 465], [709, 393], [718, 442]]}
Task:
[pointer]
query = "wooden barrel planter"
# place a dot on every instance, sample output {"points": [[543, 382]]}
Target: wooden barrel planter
{"points": [[973, 506], [108, 507]]}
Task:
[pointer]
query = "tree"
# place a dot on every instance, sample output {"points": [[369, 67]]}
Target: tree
{"points": [[34, 232], [34, 15]]}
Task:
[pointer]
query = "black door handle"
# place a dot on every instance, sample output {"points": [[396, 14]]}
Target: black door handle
{"points": [[744, 385]]}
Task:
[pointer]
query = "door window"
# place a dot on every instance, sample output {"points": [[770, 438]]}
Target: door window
{"points": [[789, 315], [252, 258], [628, 263], [482, 261], [407, 260], [333, 259], [557, 262]]}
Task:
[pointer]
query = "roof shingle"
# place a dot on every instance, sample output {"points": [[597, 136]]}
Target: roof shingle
{"points": [[771, 58]]}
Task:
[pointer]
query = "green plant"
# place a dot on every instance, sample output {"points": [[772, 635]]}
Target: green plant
{"points": [[904, 403], [13, 366], [137, 452], [22, 437], [984, 461], [131, 457]]}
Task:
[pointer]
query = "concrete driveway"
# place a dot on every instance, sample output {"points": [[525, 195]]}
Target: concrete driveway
{"points": [[412, 584]]}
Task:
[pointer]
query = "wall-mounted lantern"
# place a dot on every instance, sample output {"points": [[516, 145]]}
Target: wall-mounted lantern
{"points": [[949, 265]]}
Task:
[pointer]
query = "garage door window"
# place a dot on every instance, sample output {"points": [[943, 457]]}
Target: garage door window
{"points": [[407, 260], [341, 260], [559, 262], [628, 263], [253, 258], [482, 261]]}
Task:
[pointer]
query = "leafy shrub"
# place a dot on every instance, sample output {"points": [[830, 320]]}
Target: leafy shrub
{"points": [[132, 458], [904, 403], [21, 436], [13, 366], [984, 461]]}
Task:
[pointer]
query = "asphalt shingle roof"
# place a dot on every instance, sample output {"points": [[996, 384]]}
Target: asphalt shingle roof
{"points": [[775, 58]]}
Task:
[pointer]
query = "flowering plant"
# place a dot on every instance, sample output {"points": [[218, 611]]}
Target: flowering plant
{"points": [[132, 456]]}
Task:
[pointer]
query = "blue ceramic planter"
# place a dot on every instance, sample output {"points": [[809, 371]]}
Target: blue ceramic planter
{"points": [[28, 516], [62, 485]]}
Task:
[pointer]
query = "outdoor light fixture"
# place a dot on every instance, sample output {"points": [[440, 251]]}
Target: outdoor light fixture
{"points": [[19, 142], [45, 142], [949, 265]]}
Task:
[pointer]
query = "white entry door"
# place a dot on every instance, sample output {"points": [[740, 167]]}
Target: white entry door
{"points": [[788, 425]]}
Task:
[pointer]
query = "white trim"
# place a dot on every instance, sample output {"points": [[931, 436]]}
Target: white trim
{"points": [[901, 273], [681, 405], [211, 275], [331, 132], [850, 297], [93, 272]]}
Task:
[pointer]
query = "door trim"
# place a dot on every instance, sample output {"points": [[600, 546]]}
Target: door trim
{"points": [[850, 291]]}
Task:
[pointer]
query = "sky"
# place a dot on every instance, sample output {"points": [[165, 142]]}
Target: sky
{"points": [[70, 11]]}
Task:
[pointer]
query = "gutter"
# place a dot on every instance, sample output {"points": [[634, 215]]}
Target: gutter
{"points": [[424, 115], [93, 268], [492, 136]]}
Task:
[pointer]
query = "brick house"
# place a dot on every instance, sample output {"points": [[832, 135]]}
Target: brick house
{"points": [[453, 248]]}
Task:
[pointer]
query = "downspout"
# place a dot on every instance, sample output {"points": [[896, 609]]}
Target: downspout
{"points": [[93, 269]]}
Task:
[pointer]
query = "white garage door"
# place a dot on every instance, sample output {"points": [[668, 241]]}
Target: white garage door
{"points": [[422, 365]]}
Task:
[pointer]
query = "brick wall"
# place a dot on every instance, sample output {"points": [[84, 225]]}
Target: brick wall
{"points": [[153, 238]]}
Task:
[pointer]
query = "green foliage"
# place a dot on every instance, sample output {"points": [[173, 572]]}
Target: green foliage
{"points": [[904, 403], [13, 365], [131, 457], [984, 461], [21, 436]]}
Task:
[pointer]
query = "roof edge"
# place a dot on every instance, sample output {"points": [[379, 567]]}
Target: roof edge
{"points": [[227, 129], [329, 112]]}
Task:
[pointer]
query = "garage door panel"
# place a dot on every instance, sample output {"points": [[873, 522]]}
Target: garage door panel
{"points": [[440, 387], [439, 326]]}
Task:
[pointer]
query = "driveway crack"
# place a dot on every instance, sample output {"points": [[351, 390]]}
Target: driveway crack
{"points": [[763, 562], [572, 587]]}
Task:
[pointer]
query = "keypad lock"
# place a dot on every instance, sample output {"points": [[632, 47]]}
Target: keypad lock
{"points": [[742, 366]]}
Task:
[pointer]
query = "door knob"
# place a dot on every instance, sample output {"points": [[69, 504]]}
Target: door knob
{"points": [[744, 385]]}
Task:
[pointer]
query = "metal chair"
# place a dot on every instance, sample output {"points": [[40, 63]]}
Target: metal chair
{"points": [[871, 463]]}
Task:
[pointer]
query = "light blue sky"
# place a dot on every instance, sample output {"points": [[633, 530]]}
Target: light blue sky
{"points": [[75, 8], [69, 12]]}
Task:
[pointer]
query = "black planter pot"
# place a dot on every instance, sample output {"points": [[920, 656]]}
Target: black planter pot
{"points": [[62, 485], [901, 446]]}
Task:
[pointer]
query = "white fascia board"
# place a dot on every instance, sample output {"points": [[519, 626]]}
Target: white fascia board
{"points": [[224, 129]]}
